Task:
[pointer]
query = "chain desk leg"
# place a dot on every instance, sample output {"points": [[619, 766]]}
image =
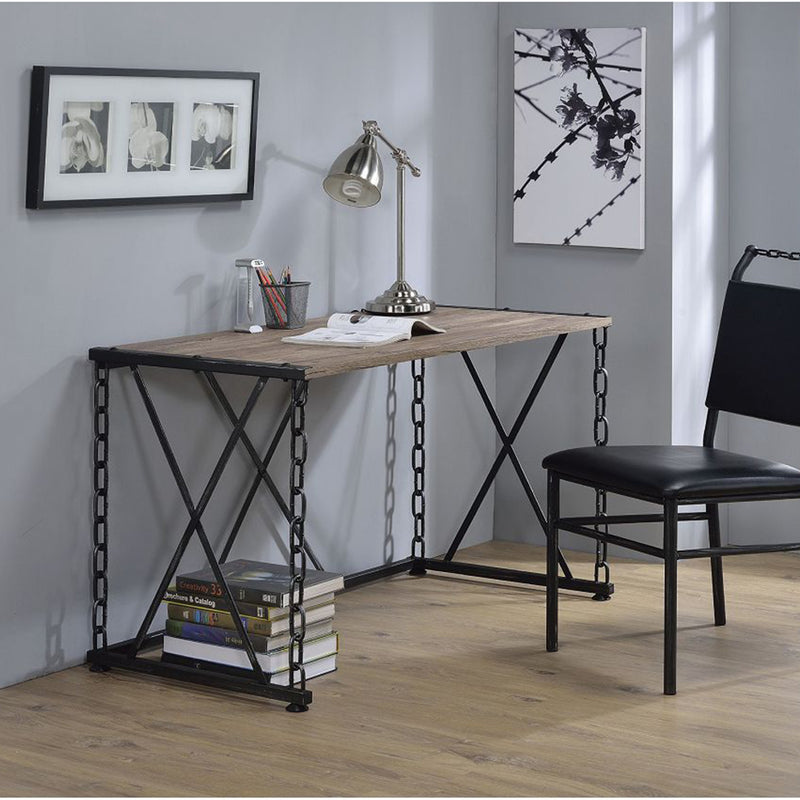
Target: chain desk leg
{"points": [[418, 465], [297, 509], [100, 514], [600, 387]]}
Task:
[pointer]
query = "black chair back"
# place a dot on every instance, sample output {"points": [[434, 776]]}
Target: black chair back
{"points": [[756, 368]]}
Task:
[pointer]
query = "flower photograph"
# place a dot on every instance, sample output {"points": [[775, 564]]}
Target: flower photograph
{"points": [[84, 138], [150, 137], [579, 136], [213, 136], [140, 136]]}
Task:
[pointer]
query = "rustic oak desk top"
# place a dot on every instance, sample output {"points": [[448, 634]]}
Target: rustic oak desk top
{"points": [[466, 329]]}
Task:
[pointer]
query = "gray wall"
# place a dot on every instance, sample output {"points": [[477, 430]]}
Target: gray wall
{"points": [[765, 175], [77, 278], [634, 287], [701, 263], [700, 186], [732, 156]]}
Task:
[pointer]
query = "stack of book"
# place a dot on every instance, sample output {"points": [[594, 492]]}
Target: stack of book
{"points": [[200, 626]]}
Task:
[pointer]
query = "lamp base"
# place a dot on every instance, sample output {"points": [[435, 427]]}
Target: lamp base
{"points": [[399, 299]]}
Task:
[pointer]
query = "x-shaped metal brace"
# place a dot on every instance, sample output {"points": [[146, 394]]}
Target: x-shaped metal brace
{"points": [[261, 469], [507, 450], [196, 511]]}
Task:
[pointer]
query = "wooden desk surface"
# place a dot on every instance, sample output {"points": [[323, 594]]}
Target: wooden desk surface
{"points": [[467, 329]]}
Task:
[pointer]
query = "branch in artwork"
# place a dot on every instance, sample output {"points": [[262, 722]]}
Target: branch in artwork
{"points": [[616, 82], [560, 75], [590, 62], [620, 46], [539, 83], [621, 67], [579, 230], [538, 42], [534, 43], [570, 138], [535, 174], [521, 93], [532, 39], [526, 54], [549, 78]]}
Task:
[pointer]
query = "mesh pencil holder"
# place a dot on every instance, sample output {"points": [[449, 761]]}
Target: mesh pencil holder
{"points": [[285, 304]]}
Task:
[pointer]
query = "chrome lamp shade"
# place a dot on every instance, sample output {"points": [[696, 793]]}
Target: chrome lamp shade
{"points": [[356, 179]]}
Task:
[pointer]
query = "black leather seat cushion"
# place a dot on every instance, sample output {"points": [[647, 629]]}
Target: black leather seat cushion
{"points": [[674, 471]]}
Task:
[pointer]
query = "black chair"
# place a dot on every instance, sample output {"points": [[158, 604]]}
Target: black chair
{"points": [[755, 373]]}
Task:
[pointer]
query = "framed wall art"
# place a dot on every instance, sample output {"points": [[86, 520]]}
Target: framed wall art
{"points": [[579, 130], [102, 137]]}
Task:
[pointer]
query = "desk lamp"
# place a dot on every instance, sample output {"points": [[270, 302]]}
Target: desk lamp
{"points": [[356, 179]]}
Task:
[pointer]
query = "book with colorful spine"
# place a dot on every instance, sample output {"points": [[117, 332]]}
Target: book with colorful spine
{"points": [[230, 638], [257, 582], [182, 606]]}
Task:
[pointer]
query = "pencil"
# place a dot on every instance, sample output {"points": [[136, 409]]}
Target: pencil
{"points": [[270, 294], [278, 294]]}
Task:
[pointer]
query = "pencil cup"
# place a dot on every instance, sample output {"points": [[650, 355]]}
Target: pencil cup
{"points": [[285, 304]]}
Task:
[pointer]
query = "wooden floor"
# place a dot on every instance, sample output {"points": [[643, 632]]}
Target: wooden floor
{"points": [[444, 688]]}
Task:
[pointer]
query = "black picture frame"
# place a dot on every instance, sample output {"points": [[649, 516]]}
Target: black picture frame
{"points": [[110, 137]]}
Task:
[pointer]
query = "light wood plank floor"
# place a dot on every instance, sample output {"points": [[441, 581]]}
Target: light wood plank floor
{"points": [[445, 688]]}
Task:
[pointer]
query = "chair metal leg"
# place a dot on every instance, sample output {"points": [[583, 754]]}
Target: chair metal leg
{"points": [[553, 513], [717, 583], [670, 595]]}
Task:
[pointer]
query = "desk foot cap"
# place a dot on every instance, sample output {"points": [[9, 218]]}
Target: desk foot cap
{"points": [[600, 597], [418, 569], [296, 708], [99, 668]]}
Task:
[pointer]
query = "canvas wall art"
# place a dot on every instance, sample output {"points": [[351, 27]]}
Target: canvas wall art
{"points": [[579, 136]]}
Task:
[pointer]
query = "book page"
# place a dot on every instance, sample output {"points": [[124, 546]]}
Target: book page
{"points": [[381, 324], [354, 337], [363, 330]]}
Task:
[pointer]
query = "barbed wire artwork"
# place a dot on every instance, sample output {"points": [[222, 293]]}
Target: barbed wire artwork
{"points": [[579, 150]]}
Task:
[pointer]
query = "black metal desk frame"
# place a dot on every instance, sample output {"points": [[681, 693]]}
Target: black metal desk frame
{"points": [[126, 654]]}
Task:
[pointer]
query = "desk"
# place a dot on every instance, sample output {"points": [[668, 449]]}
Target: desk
{"points": [[264, 356]]}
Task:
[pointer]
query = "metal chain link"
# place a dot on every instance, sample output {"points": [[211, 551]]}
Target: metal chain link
{"points": [[418, 458], [791, 256], [600, 388], [390, 458], [100, 509], [297, 512]]}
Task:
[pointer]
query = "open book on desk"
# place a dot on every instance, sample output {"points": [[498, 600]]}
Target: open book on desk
{"points": [[364, 330]]}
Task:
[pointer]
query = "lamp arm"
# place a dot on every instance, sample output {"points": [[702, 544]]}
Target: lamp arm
{"points": [[400, 156]]}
